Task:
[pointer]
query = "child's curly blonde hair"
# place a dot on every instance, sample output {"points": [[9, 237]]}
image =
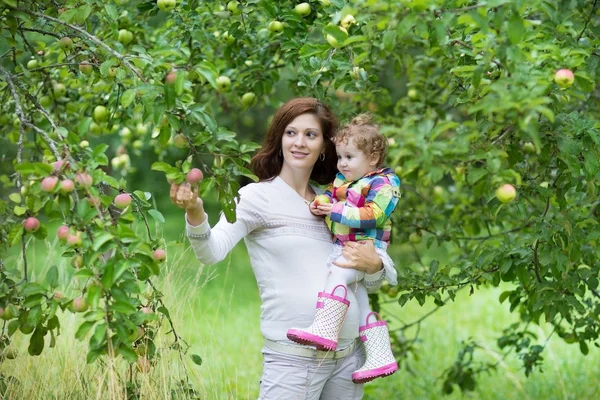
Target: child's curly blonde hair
{"points": [[365, 136]]}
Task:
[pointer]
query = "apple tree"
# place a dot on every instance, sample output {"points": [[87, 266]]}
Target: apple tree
{"points": [[490, 109]]}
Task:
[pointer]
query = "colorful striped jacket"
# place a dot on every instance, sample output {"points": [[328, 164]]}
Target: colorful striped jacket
{"points": [[362, 208]]}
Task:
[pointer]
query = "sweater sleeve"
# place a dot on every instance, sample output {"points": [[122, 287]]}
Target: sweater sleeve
{"points": [[212, 245], [379, 204]]}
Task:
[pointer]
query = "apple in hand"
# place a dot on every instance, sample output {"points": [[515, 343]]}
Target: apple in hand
{"points": [[166, 5], [506, 193], [564, 78], [194, 176], [321, 199]]}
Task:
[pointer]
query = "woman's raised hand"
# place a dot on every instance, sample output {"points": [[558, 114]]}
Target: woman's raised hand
{"points": [[186, 197]]}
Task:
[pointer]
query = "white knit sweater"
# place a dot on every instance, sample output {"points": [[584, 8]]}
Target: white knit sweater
{"points": [[288, 248]]}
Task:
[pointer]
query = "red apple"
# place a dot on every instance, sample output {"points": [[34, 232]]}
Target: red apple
{"points": [[506, 193], [159, 255], [564, 78], [171, 77], [194, 176], [31, 224], [80, 304], [67, 186], [321, 199], [60, 164], [123, 201], [75, 240], [63, 233], [49, 184], [84, 179]]}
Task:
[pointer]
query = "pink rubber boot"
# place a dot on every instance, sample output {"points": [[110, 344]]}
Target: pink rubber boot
{"points": [[324, 331], [380, 361]]}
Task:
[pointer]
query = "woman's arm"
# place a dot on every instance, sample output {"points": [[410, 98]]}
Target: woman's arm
{"points": [[363, 257], [213, 245]]}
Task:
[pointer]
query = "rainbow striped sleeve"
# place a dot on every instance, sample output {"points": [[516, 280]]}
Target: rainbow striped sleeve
{"points": [[377, 208]]}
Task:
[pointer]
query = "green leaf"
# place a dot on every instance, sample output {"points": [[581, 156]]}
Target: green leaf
{"points": [[158, 217], [52, 276], [83, 329], [101, 239], [127, 98], [208, 71], [196, 359], [36, 342], [123, 307], [516, 28]]}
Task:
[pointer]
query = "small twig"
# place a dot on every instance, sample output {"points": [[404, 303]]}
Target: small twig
{"points": [[50, 67], [588, 19], [91, 37], [496, 234], [41, 31]]}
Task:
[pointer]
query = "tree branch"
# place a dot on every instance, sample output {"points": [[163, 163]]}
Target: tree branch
{"points": [[21, 116], [41, 31], [588, 19], [89, 36]]}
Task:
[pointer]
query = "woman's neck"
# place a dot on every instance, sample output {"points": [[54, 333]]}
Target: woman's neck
{"points": [[298, 181]]}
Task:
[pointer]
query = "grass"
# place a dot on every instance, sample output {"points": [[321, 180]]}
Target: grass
{"points": [[217, 308]]}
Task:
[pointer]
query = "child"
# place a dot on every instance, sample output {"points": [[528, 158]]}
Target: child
{"points": [[361, 200]]}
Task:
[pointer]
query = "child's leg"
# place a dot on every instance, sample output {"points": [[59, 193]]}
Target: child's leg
{"points": [[362, 300], [343, 276]]}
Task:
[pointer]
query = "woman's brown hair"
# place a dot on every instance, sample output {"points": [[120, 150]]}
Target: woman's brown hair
{"points": [[267, 163]]}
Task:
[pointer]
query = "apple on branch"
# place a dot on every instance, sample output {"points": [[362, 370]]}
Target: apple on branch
{"points": [[506, 193]]}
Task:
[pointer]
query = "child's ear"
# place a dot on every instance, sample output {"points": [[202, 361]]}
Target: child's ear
{"points": [[374, 159]]}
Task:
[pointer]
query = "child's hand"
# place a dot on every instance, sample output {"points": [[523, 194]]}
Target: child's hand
{"points": [[314, 209], [325, 209]]}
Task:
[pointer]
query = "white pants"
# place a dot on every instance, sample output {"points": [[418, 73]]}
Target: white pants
{"points": [[292, 377]]}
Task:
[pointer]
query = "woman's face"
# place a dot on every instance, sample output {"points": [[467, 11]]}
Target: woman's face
{"points": [[302, 143]]}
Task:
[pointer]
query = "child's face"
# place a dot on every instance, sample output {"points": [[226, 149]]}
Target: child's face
{"points": [[352, 162]]}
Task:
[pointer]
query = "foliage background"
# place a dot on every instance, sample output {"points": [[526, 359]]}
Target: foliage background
{"points": [[463, 89]]}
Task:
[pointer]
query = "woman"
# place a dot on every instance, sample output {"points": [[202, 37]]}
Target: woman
{"points": [[288, 248]]}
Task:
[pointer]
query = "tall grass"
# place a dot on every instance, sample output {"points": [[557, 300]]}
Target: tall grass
{"points": [[216, 310]]}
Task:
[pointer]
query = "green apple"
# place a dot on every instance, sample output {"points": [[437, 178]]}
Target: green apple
{"points": [[248, 99], [125, 36], [412, 94], [31, 64], [347, 21], [166, 5], [321, 199], [65, 43], [86, 68], [100, 114], [233, 6], [302, 9], [564, 78], [84, 144], [223, 83], [529, 147], [414, 238], [506, 193], [141, 129], [275, 26], [59, 90], [181, 141], [45, 101], [227, 38], [95, 129], [333, 42]]}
